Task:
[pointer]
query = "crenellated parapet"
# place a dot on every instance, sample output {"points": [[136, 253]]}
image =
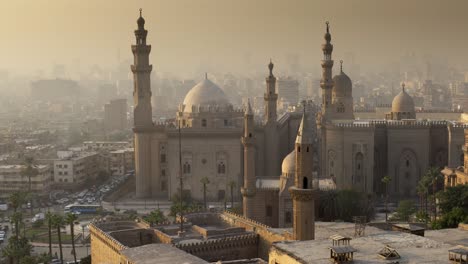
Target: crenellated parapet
{"points": [[399, 124], [229, 248], [105, 238], [219, 244]]}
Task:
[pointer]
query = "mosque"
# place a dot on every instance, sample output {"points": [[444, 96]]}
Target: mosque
{"points": [[231, 147]]}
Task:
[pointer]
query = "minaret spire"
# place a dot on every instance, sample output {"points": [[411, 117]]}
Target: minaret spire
{"points": [[146, 183], [302, 193], [403, 86], [326, 83], [270, 97], [249, 188], [341, 66]]}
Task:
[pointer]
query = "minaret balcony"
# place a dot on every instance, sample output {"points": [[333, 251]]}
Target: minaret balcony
{"points": [[246, 192], [139, 68], [248, 141], [271, 97], [299, 194]]}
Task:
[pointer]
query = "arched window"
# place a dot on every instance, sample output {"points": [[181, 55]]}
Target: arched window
{"points": [[287, 217], [298, 149], [203, 123], [187, 168], [358, 166], [340, 108], [305, 183], [221, 168], [307, 150], [269, 211]]}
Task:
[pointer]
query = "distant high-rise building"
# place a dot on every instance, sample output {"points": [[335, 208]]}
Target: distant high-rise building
{"points": [[106, 92], [288, 88], [115, 115], [50, 90]]}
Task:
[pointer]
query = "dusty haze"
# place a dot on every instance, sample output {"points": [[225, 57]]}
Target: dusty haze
{"points": [[228, 35]]}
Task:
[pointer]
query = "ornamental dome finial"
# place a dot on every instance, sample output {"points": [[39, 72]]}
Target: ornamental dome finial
{"points": [[270, 67]]}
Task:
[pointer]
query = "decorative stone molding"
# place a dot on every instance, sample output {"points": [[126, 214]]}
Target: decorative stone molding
{"points": [[302, 194], [248, 192]]}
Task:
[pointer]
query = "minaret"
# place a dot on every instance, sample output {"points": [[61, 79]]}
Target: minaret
{"points": [[248, 140], [302, 192], [143, 123], [326, 83], [271, 97], [141, 74]]}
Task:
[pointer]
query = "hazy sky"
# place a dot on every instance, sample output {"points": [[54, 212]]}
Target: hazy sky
{"points": [[191, 35]]}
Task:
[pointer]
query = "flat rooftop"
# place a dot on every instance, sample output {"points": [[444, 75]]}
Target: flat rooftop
{"points": [[159, 253], [412, 248]]}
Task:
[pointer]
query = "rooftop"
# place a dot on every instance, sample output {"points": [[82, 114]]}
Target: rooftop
{"points": [[163, 253], [411, 248]]}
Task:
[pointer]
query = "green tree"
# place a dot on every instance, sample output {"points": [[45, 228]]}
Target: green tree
{"points": [[57, 222], [17, 199], [405, 209], [17, 220], [30, 171], [204, 181], [70, 219], [49, 219], [155, 217], [452, 197], [386, 180], [433, 173], [16, 249], [350, 203]]}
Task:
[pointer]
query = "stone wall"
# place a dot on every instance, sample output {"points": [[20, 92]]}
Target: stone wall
{"points": [[134, 237], [104, 248], [230, 248], [217, 232], [266, 236]]}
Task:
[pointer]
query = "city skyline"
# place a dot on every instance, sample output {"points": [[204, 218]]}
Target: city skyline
{"points": [[228, 36]]}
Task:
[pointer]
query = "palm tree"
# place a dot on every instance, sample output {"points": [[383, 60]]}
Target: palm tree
{"points": [[433, 173], [70, 219], [30, 171], [49, 219], [205, 181], [17, 199], [17, 219], [231, 185], [57, 222], [386, 180], [421, 190]]}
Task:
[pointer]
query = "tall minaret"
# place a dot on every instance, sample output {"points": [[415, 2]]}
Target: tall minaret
{"points": [[271, 97], [248, 140], [326, 83], [302, 192], [141, 74], [142, 111]]}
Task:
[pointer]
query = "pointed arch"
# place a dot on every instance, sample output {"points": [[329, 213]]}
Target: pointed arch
{"points": [[408, 173]]}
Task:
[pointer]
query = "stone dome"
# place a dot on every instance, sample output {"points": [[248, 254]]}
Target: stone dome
{"points": [[205, 93], [403, 103], [289, 163], [343, 87]]}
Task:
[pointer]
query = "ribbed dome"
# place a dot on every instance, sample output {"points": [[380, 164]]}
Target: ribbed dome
{"points": [[289, 163], [343, 87], [205, 93], [403, 103]]}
